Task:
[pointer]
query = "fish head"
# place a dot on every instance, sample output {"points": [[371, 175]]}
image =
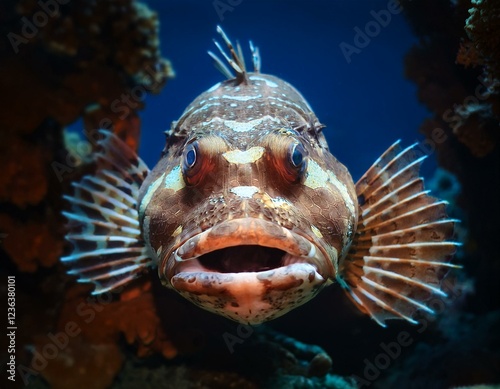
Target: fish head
{"points": [[247, 213]]}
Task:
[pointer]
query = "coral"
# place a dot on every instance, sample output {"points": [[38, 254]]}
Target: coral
{"points": [[466, 102], [23, 182], [266, 360], [480, 120], [295, 364], [80, 61], [137, 374], [83, 364], [64, 61], [466, 354], [445, 185], [483, 30], [456, 68], [477, 127], [90, 327], [44, 249]]}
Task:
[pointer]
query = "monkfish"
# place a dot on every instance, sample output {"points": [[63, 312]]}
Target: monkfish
{"points": [[247, 214]]}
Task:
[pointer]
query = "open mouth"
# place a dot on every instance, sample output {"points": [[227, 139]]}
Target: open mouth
{"points": [[249, 270], [246, 258], [243, 246]]}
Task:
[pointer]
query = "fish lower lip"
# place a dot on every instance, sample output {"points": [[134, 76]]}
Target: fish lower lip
{"points": [[242, 259], [283, 278]]}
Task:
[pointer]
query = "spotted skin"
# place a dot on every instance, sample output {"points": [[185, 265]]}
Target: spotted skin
{"points": [[245, 131]]}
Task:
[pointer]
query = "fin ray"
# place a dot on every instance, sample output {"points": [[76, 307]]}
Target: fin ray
{"points": [[103, 238], [404, 240], [406, 279], [108, 214], [414, 262], [103, 221], [422, 215], [99, 252], [398, 295], [384, 305], [410, 203], [403, 192], [236, 59], [436, 231], [105, 198], [115, 263], [110, 189]]}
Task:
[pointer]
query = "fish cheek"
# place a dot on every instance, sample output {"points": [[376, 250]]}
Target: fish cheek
{"points": [[326, 209], [165, 210]]}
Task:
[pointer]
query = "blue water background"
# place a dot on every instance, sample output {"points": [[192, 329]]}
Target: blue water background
{"points": [[366, 104]]}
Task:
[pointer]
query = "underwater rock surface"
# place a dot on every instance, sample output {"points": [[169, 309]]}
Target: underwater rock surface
{"points": [[93, 61], [456, 68]]}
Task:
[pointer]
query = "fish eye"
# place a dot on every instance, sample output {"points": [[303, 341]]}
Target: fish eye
{"points": [[190, 157], [296, 155], [295, 166], [191, 166]]}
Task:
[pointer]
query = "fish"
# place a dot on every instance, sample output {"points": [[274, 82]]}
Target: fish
{"points": [[248, 215]]}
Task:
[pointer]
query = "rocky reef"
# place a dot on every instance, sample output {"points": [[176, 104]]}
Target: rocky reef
{"points": [[456, 67], [61, 62]]}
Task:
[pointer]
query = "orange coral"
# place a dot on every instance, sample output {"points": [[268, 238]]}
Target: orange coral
{"points": [[81, 364], [45, 245], [23, 180], [91, 323], [70, 64], [467, 54]]}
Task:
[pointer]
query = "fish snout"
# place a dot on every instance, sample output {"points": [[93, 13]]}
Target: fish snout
{"points": [[248, 269]]}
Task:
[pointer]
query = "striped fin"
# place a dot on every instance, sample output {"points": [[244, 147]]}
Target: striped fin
{"points": [[403, 243], [103, 223]]}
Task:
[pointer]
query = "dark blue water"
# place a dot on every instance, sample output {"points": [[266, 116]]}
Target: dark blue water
{"points": [[366, 104]]}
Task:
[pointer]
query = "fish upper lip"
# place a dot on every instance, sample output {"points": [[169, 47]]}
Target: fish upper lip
{"points": [[300, 247]]}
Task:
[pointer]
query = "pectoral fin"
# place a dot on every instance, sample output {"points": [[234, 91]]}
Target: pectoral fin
{"points": [[403, 242], [103, 224]]}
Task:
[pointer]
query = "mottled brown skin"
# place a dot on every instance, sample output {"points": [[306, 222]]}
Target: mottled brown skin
{"points": [[262, 114], [248, 215]]}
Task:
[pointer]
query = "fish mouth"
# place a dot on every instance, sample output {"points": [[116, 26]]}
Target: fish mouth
{"points": [[255, 259], [242, 266], [247, 245]]}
